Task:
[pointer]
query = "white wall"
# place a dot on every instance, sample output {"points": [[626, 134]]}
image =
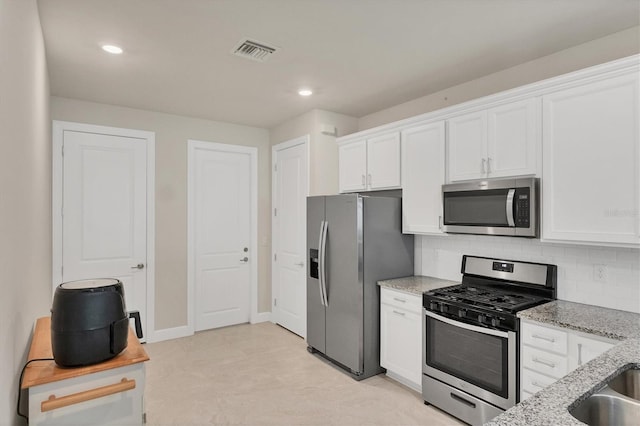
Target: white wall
{"points": [[172, 133], [323, 167], [614, 46], [441, 256], [25, 194]]}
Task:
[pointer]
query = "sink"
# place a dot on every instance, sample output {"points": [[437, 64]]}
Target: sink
{"points": [[617, 402], [627, 383], [607, 407]]}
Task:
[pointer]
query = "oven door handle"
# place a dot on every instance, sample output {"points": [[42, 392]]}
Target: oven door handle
{"points": [[467, 326]]}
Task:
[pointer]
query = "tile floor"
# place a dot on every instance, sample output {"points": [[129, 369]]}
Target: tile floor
{"points": [[263, 375]]}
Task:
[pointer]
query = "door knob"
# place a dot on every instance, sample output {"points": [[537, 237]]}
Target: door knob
{"points": [[138, 266], [244, 259]]}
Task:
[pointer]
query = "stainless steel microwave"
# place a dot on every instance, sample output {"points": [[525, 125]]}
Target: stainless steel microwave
{"points": [[492, 207]]}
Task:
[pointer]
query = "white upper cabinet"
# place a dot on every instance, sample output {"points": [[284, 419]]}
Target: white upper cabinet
{"points": [[372, 164], [496, 142], [591, 177], [468, 146], [422, 178], [352, 160]]}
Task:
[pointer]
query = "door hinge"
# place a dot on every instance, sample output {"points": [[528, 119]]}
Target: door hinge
{"points": [[275, 256], [275, 211], [144, 417]]}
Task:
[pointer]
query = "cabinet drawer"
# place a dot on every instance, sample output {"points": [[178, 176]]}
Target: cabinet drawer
{"points": [[525, 395], [533, 382], [545, 338], [548, 363], [110, 397], [409, 302]]}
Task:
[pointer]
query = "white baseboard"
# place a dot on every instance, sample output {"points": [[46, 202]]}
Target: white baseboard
{"points": [[261, 317], [170, 333]]}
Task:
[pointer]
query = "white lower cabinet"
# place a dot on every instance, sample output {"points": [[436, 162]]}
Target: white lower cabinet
{"points": [[109, 397], [401, 337], [548, 353]]}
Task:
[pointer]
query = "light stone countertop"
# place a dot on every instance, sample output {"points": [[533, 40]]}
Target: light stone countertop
{"points": [[610, 323], [551, 405], [416, 284]]}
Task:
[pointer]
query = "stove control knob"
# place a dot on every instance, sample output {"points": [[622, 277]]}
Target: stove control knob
{"points": [[444, 308], [462, 313], [433, 306], [481, 318], [495, 322]]}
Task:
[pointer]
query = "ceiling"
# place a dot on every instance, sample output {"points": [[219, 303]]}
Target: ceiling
{"points": [[358, 56]]}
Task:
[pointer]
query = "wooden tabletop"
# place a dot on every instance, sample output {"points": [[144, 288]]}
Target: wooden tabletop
{"points": [[41, 372]]}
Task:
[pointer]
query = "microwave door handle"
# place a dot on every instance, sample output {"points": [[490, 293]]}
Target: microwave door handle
{"points": [[510, 220]]}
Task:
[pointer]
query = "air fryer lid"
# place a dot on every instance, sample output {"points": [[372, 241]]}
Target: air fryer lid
{"points": [[87, 304]]}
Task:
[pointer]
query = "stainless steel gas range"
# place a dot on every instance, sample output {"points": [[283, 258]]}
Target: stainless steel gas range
{"points": [[470, 359]]}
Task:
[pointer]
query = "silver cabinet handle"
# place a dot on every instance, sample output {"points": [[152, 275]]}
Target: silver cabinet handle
{"points": [[300, 264], [399, 313], [138, 266], [544, 362], [364, 182], [244, 259], [539, 385], [484, 167], [548, 339], [399, 300], [488, 165], [440, 222], [579, 353], [369, 180]]}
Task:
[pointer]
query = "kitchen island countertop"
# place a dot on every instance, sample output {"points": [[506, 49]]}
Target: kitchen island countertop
{"points": [[551, 405], [416, 284]]}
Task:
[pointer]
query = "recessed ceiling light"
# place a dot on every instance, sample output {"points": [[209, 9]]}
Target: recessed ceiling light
{"points": [[305, 92], [116, 50]]}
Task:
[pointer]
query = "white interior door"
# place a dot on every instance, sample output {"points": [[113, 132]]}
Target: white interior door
{"points": [[104, 205], [221, 211], [290, 190]]}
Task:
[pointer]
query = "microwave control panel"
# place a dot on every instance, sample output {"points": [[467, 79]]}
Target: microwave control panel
{"points": [[522, 207]]}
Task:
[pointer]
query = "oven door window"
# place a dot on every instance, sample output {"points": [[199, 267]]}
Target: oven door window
{"points": [[476, 208], [477, 358]]}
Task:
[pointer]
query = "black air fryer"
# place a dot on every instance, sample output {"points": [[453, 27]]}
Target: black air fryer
{"points": [[89, 322]]}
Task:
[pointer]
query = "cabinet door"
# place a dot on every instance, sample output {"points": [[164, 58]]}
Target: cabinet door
{"points": [[583, 349], [401, 343], [383, 161], [422, 178], [467, 146], [513, 139], [352, 159], [591, 178]]}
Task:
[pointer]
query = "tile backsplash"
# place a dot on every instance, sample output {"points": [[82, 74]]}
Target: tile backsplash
{"points": [[602, 276]]}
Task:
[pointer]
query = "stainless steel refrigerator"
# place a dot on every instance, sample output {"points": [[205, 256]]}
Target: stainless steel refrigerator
{"points": [[353, 241]]}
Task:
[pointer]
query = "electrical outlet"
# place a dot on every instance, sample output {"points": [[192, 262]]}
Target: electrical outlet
{"points": [[600, 273]]}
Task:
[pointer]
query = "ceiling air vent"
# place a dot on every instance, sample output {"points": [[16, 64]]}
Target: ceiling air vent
{"points": [[252, 50]]}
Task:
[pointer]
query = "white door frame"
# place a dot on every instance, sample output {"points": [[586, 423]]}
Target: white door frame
{"points": [[58, 129], [192, 146], [306, 140]]}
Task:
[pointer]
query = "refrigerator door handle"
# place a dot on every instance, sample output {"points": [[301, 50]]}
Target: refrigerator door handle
{"points": [[323, 260]]}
